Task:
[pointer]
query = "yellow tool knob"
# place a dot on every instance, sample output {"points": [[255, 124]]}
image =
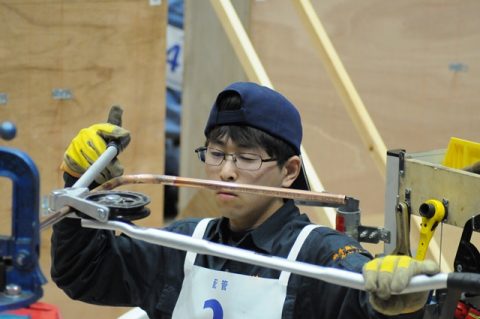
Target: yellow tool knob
{"points": [[432, 212]]}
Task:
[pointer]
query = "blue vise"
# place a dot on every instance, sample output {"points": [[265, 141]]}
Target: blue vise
{"points": [[21, 279]]}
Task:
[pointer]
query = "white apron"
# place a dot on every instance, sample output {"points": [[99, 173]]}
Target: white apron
{"points": [[215, 294]]}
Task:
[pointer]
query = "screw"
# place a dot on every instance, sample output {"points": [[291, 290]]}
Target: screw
{"points": [[23, 259], [113, 198], [13, 290], [20, 259], [101, 213]]}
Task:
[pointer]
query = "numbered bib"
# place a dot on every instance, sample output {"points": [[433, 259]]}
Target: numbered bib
{"points": [[213, 294]]}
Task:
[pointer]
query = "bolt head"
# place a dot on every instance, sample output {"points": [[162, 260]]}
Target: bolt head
{"points": [[13, 290], [101, 213]]}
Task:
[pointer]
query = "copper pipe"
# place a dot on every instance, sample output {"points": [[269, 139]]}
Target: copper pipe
{"points": [[305, 197], [319, 198]]}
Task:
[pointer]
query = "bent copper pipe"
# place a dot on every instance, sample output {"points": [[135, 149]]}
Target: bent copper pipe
{"points": [[304, 197], [314, 198]]}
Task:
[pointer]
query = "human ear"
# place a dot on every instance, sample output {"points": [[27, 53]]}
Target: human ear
{"points": [[291, 169]]}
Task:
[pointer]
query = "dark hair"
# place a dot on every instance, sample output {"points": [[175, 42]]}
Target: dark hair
{"points": [[247, 136]]}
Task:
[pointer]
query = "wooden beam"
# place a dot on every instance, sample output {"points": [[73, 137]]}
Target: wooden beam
{"points": [[351, 99], [340, 78], [240, 41]]}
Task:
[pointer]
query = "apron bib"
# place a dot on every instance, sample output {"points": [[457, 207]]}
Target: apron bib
{"points": [[214, 294]]}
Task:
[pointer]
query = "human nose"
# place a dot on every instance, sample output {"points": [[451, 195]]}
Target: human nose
{"points": [[228, 170], [233, 158]]}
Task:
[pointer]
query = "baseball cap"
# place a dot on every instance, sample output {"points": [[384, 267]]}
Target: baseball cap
{"points": [[266, 110]]}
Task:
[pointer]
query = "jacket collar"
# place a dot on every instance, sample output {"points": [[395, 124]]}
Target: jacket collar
{"points": [[265, 235]]}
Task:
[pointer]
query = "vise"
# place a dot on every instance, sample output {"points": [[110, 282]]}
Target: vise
{"points": [[21, 279]]}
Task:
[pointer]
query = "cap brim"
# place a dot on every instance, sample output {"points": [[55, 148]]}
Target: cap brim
{"points": [[302, 181]]}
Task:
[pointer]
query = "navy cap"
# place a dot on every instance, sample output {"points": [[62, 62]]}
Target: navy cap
{"points": [[262, 108], [266, 110]]}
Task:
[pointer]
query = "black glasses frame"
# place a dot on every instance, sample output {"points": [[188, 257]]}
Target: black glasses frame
{"points": [[201, 151]]}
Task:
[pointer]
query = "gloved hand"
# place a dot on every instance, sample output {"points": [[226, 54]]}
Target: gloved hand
{"points": [[389, 274], [91, 142]]}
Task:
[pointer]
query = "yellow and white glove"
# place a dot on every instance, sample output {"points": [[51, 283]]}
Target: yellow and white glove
{"points": [[90, 143], [391, 274]]}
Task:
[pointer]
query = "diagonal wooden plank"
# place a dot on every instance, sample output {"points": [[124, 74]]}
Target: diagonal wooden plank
{"points": [[351, 99]]}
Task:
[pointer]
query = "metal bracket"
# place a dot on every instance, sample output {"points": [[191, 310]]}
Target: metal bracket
{"points": [[373, 235], [401, 163], [62, 94], [74, 198], [408, 198], [3, 98], [445, 203]]}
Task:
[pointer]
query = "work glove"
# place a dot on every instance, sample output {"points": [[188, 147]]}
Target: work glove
{"points": [[91, 142], [391, 274]]}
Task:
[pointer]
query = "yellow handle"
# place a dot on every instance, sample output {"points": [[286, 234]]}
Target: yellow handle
{"points": [[433, 212]]}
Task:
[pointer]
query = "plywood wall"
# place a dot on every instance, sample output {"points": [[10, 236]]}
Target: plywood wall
{"points": [[105, 53], [413, 63], [210, 65]]}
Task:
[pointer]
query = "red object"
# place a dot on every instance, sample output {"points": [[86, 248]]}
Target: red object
{"points": [[461, 311], [473, 313], [38, 310], [340, 223]]}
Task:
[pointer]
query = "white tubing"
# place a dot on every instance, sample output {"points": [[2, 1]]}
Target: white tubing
{"points": [[327, 274]]}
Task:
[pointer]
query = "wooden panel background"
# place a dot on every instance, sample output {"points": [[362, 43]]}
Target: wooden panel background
{"points": [[107, 53], [415, 65], [210, 65]]}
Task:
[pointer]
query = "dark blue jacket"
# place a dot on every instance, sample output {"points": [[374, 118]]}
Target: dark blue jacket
{"points": [[101, 268]]}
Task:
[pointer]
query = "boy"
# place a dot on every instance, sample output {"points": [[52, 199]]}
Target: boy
{"points": [[253, 136]]}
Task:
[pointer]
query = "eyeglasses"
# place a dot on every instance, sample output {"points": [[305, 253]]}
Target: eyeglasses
{"points": [[245, 161]]}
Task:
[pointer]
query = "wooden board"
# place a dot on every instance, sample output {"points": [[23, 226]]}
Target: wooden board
{"points": [[210, 65], [106, 53], [414, 64]]}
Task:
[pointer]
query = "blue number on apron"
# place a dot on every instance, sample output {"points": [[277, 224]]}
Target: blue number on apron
{"points": [[216, 308]]}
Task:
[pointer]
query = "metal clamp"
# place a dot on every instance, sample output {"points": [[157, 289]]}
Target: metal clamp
{"points": [[374, 235], [348, 222], [21, 278], [74, 198]]}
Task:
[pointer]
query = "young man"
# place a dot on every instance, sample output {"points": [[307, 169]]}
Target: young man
{"points": [[253, 136]]}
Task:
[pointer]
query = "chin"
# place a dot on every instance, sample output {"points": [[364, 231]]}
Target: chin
{"points": [[230, 212]]}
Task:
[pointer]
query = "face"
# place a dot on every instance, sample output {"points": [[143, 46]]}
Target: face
{"points": [[246, 211]]}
